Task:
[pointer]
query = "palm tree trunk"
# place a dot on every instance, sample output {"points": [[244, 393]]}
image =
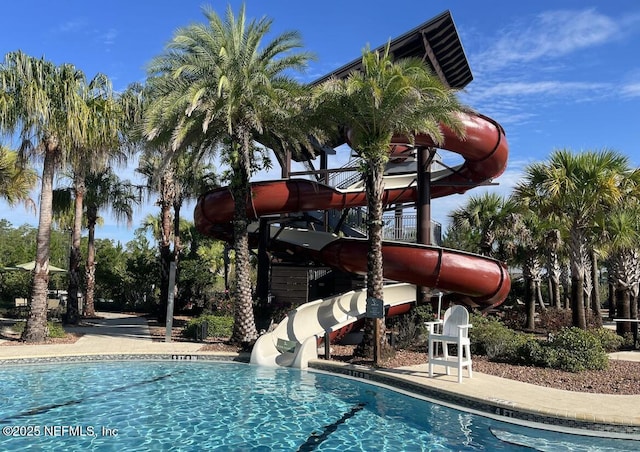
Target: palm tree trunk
{"points": [[623, 303], [554, 287], [165, 259], [244, 325], [74, 254], [577, 257], [566, 286], [554, 269], [36, 327], [595, 288], [587, 283], [611, 297], [89, 304], [177, 239], [530, 305], [375, 344], [539, 297]]}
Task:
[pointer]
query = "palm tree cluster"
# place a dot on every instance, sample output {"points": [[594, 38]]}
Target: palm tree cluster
{"points": [[71, 124], [215, 90], [569, 212], [218, 89]]}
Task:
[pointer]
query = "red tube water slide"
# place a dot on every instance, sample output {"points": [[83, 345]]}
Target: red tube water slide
{"points": [[485, 281]]}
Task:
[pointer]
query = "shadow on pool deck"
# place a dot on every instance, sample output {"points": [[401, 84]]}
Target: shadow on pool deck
{"points": [[134, 327], [110, 334]]}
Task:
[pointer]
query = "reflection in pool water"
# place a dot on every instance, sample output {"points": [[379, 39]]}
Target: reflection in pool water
{"points": [[162, 405]]}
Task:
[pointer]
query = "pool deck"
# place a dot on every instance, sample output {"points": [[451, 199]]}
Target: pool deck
{"points": [[119, 334]]}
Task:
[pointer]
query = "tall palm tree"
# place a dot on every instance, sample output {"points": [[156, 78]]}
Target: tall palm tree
{"points": [[175, 180], [216, 89], [44, 105], [103, 189], [100, 148], [16, 181], [576, 187], [160, 178], [384, 99]]}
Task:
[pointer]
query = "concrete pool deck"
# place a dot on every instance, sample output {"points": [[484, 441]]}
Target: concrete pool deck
{"points": [[120, 334]]}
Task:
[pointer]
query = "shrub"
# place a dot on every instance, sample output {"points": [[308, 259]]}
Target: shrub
{"points": [[514, 317], [490, 337], [217, 326], [609, 339], [536, 353], [54, 329], [409, 328], [554, 319], [577, 350], [484, 331], [571, 349]]}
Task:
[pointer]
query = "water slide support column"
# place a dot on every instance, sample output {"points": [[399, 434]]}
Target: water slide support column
{"points": [[423, 206], [324, 178], [262, 283]]}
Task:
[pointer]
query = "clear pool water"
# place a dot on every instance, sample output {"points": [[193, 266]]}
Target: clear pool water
{"points": [[195, 406]]}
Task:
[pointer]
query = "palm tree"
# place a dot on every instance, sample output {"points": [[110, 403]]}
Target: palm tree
{"points": [[620, 228], [161, 179], [44, 105], [624, 231], [176, 180], [384, 99], [215, 89], [16, 181], [104, 189], [523, 236], [481, 218], [553, 244], [100, 148], [576, 188]]}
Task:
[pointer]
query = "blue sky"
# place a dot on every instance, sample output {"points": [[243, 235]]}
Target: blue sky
{"points": [[555, 74]]}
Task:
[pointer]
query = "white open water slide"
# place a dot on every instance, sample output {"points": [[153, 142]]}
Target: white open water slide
{"points": [[295, 340]]}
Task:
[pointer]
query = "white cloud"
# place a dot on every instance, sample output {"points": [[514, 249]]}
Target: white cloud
{"points": [[551, 34], [72, 26], [545, 88], [631, 90], [109, 37]]}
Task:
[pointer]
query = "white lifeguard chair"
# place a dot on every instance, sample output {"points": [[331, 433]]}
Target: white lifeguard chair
{"points": [[453, 329]]}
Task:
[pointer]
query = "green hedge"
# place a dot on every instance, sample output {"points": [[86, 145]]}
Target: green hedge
{"points": [[576, 350], [217, 326], [571, 349]]}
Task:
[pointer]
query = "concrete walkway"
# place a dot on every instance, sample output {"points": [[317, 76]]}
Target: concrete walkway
{"points": [[114, 333], [119, 334]]}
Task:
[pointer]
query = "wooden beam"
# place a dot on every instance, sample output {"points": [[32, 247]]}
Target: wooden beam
{"points": [[429, 53]]}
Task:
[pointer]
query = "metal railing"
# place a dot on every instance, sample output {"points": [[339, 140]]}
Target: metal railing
{"points": [[401, 228]]}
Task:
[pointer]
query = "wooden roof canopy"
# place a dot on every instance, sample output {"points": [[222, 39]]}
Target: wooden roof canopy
{"points": [[435, 41]]}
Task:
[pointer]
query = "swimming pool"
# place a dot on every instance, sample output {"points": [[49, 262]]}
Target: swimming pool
{"points": [[163, 405]]}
